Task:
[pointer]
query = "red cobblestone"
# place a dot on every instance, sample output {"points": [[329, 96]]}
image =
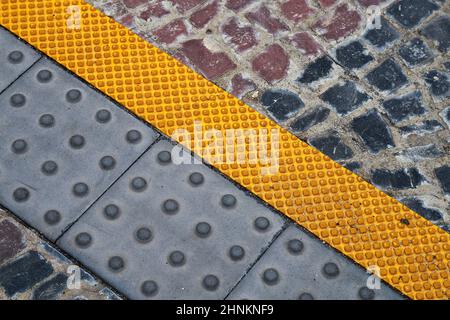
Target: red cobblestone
{"points": [[296, 10], [241, 85], [154, 10], [272, 64], [10, 240], [307, 45], [368, 3], [339, 24], [242, 38], [211, 64], [237, 5], [263, 17], [185, 5], [201, 17], [171, 31], [327, 3], [133, 3]]}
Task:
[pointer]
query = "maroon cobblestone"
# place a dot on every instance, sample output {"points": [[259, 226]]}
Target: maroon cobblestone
{"points": [[264, 18], [241, 85], [237, 4], [306, 43], [296, 10], [201, 17], [185, 5], [241, 37], [211, 64], [154, 10], [339, 24], [11, 241], [133, 3], [170, 32], [272, 64]]}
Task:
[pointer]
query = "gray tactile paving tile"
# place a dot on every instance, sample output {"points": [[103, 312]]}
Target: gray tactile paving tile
{"points": [[195, 247], [61, 146], [299, 266], [15, 58]]}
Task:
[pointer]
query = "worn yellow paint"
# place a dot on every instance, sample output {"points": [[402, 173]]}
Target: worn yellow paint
{"points": [[336, 205]]}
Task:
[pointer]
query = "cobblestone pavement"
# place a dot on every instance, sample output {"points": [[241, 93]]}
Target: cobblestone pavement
{"points": [[94, 203], [32, 268], [375, 100]]}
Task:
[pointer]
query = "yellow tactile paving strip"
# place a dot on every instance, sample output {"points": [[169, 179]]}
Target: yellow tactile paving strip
{"points": [[333, 203]]}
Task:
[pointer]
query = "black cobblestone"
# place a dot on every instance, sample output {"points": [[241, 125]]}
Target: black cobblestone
{"points": [[439, 30], [410, 13], [50, 289], [400, 179], [422, 128], [382, 37], [405, 107], [332, 146], [418, 206], [282, 104], [344, 98], [353, 55], [310, 119], [388, 76], [415, 52], [316, 70], [373, 130], [443, 175], [23, 273], [438, 82]]}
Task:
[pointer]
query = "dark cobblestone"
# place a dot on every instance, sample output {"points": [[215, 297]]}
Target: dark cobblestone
{"points": [[373, 130], [316, 70], [443, 175], [422, 128], [352, 166], [445, 114], [405, 107], [388, 76], [353, 55], [332, 146], [410, 13], [418, 206], [382, 37], [415, 52], [23, 273], [438, 30], [52, 288], [11, 241], [282, 104], [310, 119], [419, 153], [400, 179], [438, 82], [344, 98]]}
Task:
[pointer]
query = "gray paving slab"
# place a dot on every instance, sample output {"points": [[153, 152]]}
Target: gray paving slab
{"points": [[299, 266], [167, 231], [15, 58], [62, 145]]}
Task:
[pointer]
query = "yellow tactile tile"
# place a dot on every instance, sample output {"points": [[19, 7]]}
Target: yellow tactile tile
{"points": [[339, 207]]}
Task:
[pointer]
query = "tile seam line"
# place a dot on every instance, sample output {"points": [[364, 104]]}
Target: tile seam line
{"points": [[346, 252]]}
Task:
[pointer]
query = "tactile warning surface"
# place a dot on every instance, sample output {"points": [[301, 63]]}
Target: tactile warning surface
{"points": [[15, 58], [167, 231], [336, 205], [61, 145], [299, 266]]}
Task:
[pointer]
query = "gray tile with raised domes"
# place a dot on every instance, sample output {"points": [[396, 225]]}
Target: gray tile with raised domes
{"points": [[15, 58], [300, 266], [167, 231], [62, 145]]}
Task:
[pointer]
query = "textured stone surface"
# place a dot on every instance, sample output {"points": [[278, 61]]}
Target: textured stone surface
{"points": [[35, 269], [413, 33]]}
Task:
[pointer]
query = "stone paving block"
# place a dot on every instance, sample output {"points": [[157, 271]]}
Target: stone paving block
{"points": [[23, 273], [167, 231], [61, 145], [15, 58], [299, 266]]}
